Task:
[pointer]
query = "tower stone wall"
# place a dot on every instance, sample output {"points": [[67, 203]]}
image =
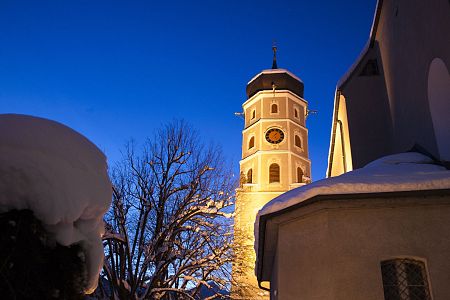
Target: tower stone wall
{"points": [[274, 160]]}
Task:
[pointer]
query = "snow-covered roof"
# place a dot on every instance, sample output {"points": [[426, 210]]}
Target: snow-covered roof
{"points": [[59, 175], [409, 171], [279, 79], [274, 71], [394, 173]]}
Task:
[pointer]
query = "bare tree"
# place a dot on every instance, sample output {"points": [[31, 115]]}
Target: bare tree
{"points": [[169, 230]]}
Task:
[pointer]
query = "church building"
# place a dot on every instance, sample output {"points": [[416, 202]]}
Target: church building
{"points": [[378, 227], [274, 160]]}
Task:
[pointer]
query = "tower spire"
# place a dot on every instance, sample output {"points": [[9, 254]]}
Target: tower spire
{"points": [[274, 160], [274, 61]]}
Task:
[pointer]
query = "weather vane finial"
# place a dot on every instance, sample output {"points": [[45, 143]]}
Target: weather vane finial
{"points": [[274, 49]]}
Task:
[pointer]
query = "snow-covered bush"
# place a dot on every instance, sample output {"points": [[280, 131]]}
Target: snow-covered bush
{"points": [[34, 266], [61, 177]]}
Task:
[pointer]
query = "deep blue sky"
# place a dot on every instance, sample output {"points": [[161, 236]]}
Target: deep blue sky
{"points": [[113, 70]]}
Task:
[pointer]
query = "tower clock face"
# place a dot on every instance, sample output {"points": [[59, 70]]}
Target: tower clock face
{"points": [[274, 135]]}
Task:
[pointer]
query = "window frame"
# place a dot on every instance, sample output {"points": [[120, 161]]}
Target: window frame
{"points": [[278, 175], [272, 105], [297, 136], [251, 142], [297, 173], [249, 179], [402, 287]]}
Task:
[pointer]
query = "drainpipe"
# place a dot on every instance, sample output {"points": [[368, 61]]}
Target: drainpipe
{"points": [[333, 133], [263, 288], [342, 144]]}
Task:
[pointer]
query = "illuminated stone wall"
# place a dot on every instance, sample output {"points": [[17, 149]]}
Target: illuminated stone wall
{"points": [[258, 154]]}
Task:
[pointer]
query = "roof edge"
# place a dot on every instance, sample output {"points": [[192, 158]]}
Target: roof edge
{"points": [[252, 98], [325, 197], [274, 71], [337, 96], [369, 44]]}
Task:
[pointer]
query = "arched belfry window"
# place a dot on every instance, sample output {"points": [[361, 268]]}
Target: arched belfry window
{"points": [[295, 113], [299, 175], [253, 114], [274, 173], [405, 279], [274, 109], [249, 176], [251, 142], [298, 141]]}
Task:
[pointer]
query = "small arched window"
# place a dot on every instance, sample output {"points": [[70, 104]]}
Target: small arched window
{"points": [[298, 141], [274, 109], [274, 173], [295, 113], [251, 142], [405, 279], [253, 114], [299, 175], [249, 176]]}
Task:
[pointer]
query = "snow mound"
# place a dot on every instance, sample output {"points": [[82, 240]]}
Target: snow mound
{"points": [[59, 175], [394, 173]]}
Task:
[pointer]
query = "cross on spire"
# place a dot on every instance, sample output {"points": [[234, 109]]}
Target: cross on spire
{"points": [[274, 61]]}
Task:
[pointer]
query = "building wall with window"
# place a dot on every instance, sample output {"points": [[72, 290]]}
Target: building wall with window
{"points": [[336, 249], [381, 244]]}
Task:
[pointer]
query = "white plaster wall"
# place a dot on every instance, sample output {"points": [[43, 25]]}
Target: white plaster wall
{"points": [[439, 101], [336, 253]]}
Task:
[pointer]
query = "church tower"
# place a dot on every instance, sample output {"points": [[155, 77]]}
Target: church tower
{"points": [[274, 160]]}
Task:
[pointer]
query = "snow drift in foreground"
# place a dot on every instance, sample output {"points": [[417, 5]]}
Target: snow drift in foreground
{"points": [[59, 175], [400, 172]]}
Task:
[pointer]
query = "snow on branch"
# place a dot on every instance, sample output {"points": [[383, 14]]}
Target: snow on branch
{"points": [[169, 229]]}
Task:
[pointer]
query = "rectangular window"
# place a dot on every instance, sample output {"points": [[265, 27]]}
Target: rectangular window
{"points": [[404, 279]]}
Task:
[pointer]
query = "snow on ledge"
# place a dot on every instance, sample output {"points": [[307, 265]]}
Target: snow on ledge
{"points": [[395, 173], [59, 175]]}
